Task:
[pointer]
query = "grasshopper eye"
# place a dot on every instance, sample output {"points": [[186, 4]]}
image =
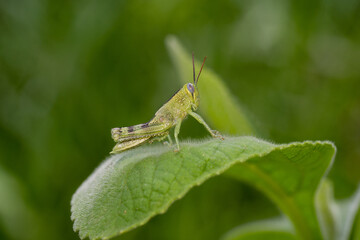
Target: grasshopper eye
{"points": [[190, 87]]}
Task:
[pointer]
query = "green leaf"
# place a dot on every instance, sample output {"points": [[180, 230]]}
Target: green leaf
{"points": [[271, 229], [348, 210], [327, 210], [217, 103], [290, 178], [15, 213], [259, 234], [357, 227], [130, 188]]}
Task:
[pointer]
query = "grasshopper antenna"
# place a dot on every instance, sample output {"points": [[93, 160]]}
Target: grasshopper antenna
{"points": [[193, 66], [197, 79]]}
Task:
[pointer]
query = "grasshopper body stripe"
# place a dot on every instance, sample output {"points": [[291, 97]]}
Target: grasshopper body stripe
{"points": [[145, 125], [130, 129]]}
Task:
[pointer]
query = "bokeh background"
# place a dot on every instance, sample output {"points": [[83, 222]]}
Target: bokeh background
{"points": [[72, 70]]}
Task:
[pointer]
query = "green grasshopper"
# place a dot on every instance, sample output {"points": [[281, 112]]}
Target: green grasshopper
{"points": [[172, 113]]}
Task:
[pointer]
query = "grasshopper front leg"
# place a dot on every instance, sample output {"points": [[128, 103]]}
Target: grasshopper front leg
{"points": [[214, 133], [176, 133]]}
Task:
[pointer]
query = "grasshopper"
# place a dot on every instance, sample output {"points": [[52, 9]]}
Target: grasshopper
{"points": [[184, 102]]}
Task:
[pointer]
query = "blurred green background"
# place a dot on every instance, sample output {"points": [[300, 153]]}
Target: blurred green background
{"points": [[72, 70]]}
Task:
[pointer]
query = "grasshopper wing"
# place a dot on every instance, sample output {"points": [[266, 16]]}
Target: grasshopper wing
{"points": [[139, 131]]}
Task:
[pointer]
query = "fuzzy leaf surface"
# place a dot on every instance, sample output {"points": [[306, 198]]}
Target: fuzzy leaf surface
{"points": [[129, 188]]}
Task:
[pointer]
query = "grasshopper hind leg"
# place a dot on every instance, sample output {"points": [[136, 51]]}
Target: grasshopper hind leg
{"points": [[122, 146], [133, 142]]}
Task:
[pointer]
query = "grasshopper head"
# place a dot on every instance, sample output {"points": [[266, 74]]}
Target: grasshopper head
{"points": [[193, 92], [192, 88]]}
